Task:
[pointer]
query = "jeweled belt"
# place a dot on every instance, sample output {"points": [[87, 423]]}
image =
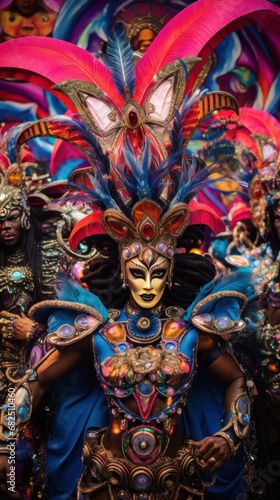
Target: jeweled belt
{"points": [[164, 479]]}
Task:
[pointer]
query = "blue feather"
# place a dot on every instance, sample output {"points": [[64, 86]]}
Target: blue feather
{"points": [[70, 291], [9, 141], [190, 179], [239, 281], [140, 169], [120, 61]]}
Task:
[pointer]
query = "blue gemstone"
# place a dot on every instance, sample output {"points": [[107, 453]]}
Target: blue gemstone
{"points": [[170, 346], [145, 388], [22, 413], [17, 275], [245, 418], [122, 347]]}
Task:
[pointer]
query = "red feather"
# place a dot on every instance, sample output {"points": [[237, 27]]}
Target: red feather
{"points": [[204, 214], [197, 30], [88, 226], [48, 61]]}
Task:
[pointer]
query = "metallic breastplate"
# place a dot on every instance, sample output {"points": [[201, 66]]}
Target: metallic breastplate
{"points": [[145, 385]]}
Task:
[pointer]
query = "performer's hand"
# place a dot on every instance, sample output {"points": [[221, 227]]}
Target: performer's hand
{"points": [[22, 327], [7, 480], [213, 452]]}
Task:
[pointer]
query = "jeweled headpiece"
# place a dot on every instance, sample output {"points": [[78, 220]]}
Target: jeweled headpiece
{"points": [[147, 234], [13, 194]]}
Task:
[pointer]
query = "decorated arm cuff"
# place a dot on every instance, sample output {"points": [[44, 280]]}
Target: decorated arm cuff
{"points": [[236, 422], [15, 413]]}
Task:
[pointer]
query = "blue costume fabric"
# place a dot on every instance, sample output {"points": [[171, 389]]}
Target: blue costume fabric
{"points": [[78, 403]]}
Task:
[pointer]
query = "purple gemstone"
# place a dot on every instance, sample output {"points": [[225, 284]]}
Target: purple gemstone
{"points": [[126, 253], [170, 251], [36, 355], [223, 322], [136, 247], [65, 331], [207, 318], [82, 321], [170, 391], [161, 246], [119, 392]]}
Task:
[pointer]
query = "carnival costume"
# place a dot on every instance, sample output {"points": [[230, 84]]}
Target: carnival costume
{"points": [[143, 197], [146, 359]]}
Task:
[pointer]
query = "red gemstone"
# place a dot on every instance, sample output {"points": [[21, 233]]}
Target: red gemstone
{"points": [[132, 118], [148, 231]]}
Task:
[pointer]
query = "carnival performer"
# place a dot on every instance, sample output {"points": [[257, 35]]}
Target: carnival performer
{"points": [[29, 262]]}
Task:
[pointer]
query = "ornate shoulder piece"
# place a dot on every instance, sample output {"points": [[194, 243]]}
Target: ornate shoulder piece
{"points": [[84, 323], [216, 322], [223, 325]]}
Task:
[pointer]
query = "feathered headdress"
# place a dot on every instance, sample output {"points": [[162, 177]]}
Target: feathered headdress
{"points": [[146, 184]]}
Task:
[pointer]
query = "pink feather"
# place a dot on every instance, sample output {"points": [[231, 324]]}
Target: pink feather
{"points": [[261, 122], [48, 61], [201, 213], [197, 30]]}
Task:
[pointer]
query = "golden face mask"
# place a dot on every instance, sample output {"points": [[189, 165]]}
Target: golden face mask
{"points": [[147, 278]]}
